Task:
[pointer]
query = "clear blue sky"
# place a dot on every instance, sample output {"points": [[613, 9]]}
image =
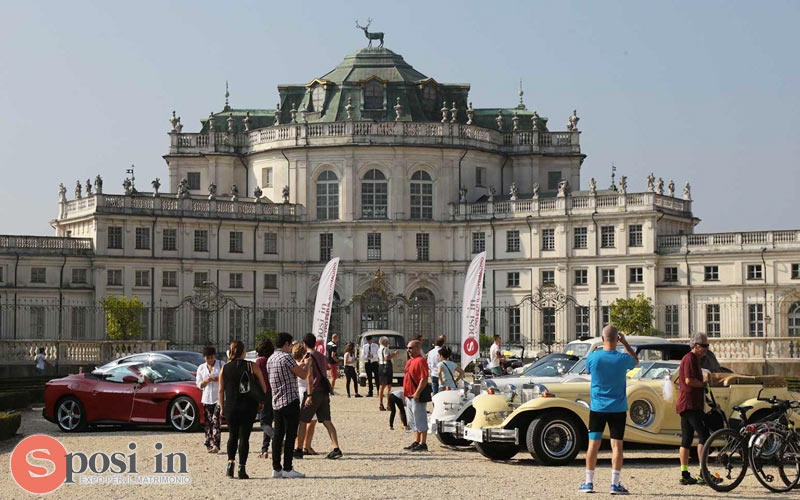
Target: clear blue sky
{"points": [[702, 91]]}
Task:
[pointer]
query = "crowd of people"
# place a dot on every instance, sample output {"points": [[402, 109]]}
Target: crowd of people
{"points": [[293, 375]]}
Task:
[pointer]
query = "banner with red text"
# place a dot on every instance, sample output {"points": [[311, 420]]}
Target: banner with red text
{"points": [[471, 309], [324, 302]]}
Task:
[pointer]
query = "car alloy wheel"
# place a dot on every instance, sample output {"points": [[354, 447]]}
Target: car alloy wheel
{"points": [[182, 414], [70, 415]]}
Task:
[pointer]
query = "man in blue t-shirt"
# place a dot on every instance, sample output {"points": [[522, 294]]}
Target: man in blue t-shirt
{"points": [[609, 404]]}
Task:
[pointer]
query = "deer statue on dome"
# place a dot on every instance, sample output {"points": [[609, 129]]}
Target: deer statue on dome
{"points": [[377, 35]]}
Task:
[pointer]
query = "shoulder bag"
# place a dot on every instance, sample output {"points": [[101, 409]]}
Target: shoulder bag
{"points": [[249, 386], [326, 385]]}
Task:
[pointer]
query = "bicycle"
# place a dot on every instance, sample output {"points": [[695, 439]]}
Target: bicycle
{"points": [[775, 453]]}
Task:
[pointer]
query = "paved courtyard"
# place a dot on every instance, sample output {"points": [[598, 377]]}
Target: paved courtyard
{"points": [[373, 466]]}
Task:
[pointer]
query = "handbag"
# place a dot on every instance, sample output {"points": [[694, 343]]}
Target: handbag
{"points": [[426, 396], [249, 386], [326, 385]]}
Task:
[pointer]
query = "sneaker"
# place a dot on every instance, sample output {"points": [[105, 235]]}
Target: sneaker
{"points": [[391, 428], [336, 453], [276, 474], [618, 489], [586, 488], [359, 396], [688, 480], [411, 446], [421, 447], [214, 449], [297, 453], [292, 474]]}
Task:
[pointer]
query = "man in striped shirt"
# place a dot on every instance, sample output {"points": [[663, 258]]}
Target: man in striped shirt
{"points": [[283, 373]]}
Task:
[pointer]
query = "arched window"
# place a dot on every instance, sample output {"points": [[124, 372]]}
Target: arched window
{"points": [[794, 320], [374, 195], [327, 196], [317, 98], [422, 315], [421, 195], [373, 95]]}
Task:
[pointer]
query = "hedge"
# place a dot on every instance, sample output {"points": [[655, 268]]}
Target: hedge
{"points": [[14, 400], [9, 424]]}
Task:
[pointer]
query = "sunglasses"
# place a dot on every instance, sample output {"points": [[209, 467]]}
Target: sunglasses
{"points": [[703, 345]]}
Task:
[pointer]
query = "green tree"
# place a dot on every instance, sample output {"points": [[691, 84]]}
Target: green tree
{"points": [[123, 317], [266, 334], [633, 316]]}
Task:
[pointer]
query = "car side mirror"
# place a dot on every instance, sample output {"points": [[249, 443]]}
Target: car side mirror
{"points": [[130, 379]]}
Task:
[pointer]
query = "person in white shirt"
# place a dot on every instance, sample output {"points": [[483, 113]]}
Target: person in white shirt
{"points": [[207, 380], [40, 361], [495, 357], [433, 363], [369, 354], [385, 371]]}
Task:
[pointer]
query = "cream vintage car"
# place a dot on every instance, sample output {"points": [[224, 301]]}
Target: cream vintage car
{"points": [[550, 422]]}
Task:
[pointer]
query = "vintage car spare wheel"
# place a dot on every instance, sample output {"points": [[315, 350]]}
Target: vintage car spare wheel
{"points": [[642, 412], [554, 438]]}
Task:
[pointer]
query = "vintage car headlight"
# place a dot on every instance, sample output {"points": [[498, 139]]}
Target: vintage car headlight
{"points": [[510, 391], [642, 412], [490, 383]]}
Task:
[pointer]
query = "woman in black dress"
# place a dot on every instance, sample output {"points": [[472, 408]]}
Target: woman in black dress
{"points": [[238, 409]]}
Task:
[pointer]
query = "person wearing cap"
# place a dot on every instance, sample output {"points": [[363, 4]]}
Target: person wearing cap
{"points": [[414, 381], [608, 405], [691, 399]]}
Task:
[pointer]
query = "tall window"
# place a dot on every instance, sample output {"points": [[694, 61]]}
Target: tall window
{"points": [[581, 277], [201, 240], [548, 277], [607, 237], [548, 239], [169, 240], [514, 324], [478, 242], [236, 323], [373, 95], [38, 275], [581, 321], [327, 196], [579, 237], [115, 237], [200, 279], [423, 246], [553, 179], [671, 274], [607, 277], [423, 313], [605, 315], [374, 195], [325, 246], [201, 331], [480, 176], [712, 320], [79, 276], [114, 277], [142, 277], [374, 246], [37, 321], [711, 273], [754, 272], [236, 242], [635, 275], [168, 323], [266, 177], [548, 325], [317, 98], [795, 271], [78, 322], [421, 195], [270, 281], [235, 280], [269, 319], [169, 279], [512, 241], [635, 238], [671, 320], [755, 320], [271, 243], [794, 320], [143, 238], [193, 178]]}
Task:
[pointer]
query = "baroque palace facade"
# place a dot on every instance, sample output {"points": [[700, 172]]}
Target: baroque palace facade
{"points": [[399, 176]]}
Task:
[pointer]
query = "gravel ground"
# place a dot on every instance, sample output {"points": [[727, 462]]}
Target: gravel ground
{"points": [[373, 466]]}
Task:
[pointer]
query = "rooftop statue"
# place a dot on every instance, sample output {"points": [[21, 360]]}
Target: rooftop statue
{"points": [[377, 35], [453, 113], [98, 184], [62, 193], [246, 122], [175, 121], [470, 114], [623, 184], [398, 110], [234, 192], [651, 179], [349, 108], [285, 193], [230, 123], [127, 185], [462, 195], [258, 193], [78, 190], [660, 186], [535, 190], [156, 183], [687, 191], [499, 120], [671, 188], [592, 186], [491, 193], [513, 191], [88, 187], [212, 191], [183, 188], [277, 114], [572, 125], [563, 188]]}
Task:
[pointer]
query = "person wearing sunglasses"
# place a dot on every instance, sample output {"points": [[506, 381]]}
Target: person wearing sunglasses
{"points": [[690, 404]]}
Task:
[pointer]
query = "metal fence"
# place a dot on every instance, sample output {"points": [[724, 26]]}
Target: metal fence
{"points": [[187, 326]]}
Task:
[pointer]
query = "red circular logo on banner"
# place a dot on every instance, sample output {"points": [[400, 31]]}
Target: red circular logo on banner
{"points": [[28, 464], [471, 346]]}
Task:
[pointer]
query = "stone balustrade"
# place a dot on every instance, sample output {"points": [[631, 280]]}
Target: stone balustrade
{"points": [[73, 352], [717, 241], [755, 349], [171, 205], [579, 203], [45, 244], [376, 133]]}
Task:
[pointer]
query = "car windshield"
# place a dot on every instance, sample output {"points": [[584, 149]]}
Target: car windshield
{"points": [[553, 368], [652, 370], [577, 348], [162, 372], [194, 358]]}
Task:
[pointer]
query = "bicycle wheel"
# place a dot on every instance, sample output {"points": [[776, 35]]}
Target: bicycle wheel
{"points": [[723, 462], [775, 461]]}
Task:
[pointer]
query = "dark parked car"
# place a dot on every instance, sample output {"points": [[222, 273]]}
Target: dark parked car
{"points": [[191, 357]]}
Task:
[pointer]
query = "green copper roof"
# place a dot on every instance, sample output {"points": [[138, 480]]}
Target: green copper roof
{"points": [[373, 63]]}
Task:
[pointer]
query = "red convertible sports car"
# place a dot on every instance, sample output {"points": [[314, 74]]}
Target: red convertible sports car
{"points": [[139, 393]]}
